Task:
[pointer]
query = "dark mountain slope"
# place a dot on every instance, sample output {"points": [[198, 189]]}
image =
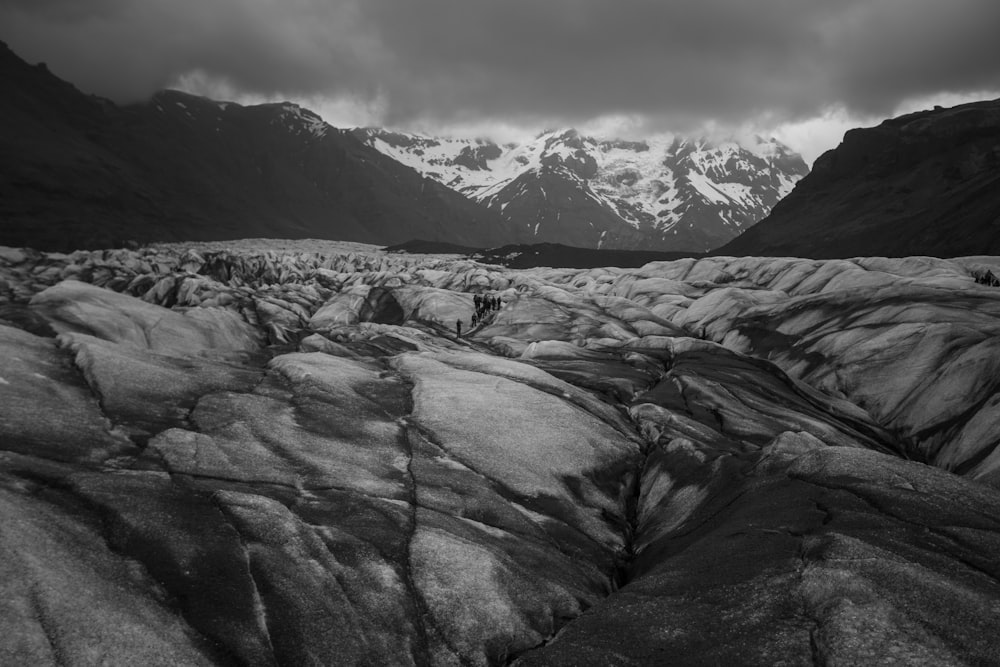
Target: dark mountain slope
{"points": [[79, 171], [553, 255], [926, 183], [561, 256]]}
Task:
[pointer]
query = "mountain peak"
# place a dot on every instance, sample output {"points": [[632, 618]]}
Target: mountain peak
{"points": [[666, 191]]}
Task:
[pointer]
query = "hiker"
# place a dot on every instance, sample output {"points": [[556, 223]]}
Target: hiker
{"points": [[458, 328], [478, 300], [475, 320]]}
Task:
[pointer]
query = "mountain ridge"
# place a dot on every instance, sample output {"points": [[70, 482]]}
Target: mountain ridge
{"points": [[666, 192], [80, 171], [925, 183]]}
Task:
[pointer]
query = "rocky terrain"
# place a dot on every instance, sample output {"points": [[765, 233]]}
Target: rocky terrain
{"points": [[77, 171], [667, 192], [927, 183], [273, 453]]}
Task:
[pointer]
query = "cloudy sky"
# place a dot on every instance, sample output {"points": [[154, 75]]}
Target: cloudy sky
{"points": [[804, 70]]}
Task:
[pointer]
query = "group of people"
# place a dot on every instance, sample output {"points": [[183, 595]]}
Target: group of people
{"points": [[986, 278], [485, 304]]}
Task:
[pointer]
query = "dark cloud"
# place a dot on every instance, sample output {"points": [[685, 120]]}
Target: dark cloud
{"points": [[453, 60], [893, 49], [127, 49]]}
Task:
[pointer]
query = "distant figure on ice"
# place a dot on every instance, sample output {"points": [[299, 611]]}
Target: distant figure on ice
{"points": [[458, 328], [986, 278]]}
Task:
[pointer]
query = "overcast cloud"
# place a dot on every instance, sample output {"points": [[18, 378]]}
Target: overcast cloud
{"points": [[525, 62]]}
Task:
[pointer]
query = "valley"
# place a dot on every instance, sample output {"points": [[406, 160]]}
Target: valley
{"points": [[727, 410]]}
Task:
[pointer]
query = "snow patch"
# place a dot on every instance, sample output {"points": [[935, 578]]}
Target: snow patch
{"points": [[707, 188]]}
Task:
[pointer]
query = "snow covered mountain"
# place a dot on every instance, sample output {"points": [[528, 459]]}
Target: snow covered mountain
{"points": [[667, 192]]}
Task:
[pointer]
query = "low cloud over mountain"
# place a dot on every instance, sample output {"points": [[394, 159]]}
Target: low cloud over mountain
{"points": [[568, 60]]}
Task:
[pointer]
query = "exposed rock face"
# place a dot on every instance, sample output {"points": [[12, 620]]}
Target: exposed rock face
{"points": [[927, 183], [740, 461]]}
